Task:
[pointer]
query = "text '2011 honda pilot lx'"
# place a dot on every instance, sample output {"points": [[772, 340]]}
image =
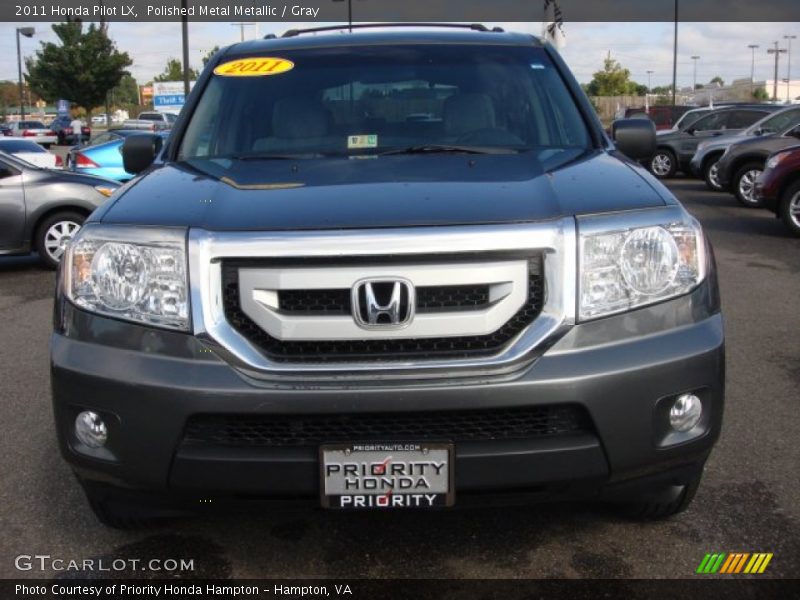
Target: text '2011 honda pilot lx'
{"points": [[393, 269]]}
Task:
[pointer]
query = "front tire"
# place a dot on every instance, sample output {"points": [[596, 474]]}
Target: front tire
{"points": [[744, 184], [53, 235], [789, 209], [711, 175], [663, 164]]}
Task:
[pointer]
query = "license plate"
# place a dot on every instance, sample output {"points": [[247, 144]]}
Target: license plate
{"points": [[386, 475]]}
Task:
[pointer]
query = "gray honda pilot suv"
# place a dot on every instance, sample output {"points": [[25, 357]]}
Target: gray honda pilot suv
{"points": [[392, 269]]}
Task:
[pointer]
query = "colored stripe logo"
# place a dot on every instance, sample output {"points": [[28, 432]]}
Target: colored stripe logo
{"points": [[734, 563]]}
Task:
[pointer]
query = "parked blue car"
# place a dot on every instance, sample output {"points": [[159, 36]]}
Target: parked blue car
{"points": [[103, 156]]}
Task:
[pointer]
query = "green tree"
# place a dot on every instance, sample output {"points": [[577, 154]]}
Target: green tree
{"points": [[760, 94], [173, 71], [718, 80], [127, 92], [83, 66], [209, 54], [613, 80]]}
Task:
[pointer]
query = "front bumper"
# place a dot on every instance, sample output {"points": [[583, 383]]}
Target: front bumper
{"points": [[622, 370]]}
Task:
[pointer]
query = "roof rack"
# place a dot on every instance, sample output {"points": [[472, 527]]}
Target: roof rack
{"points": [[473, 26]]}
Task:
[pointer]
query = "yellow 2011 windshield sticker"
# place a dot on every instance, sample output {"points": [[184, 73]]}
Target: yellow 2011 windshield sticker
{"points": [[254, 67]]}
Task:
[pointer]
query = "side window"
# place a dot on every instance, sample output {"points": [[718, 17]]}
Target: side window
{"points": [[7, 171], [712, 122], [739, 119], [102, 138]]}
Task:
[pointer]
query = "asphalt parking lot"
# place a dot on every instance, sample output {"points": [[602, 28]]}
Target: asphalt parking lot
{"points": [[747, 503]]}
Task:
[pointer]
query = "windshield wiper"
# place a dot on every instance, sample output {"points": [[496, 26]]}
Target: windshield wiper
{"points": [[444, 148]]}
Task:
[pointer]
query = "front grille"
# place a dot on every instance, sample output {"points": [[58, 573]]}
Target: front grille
{"points": [[429, 299], [389, 349], [456, 426]]}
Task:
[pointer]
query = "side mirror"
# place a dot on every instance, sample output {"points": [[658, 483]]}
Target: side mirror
{"points": [[635, 138], [795, 132], [690, 130], [139, 151]]}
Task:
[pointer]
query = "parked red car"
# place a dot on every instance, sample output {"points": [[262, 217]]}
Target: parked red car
{"points": [[779, 187]]}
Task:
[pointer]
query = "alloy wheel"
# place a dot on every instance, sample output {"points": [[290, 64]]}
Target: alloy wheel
{"points": [[747, 185], [661, 164]]}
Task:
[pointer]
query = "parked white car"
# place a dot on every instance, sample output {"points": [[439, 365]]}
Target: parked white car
{"points": [[99, 119], [35, 131], [30, 152]]}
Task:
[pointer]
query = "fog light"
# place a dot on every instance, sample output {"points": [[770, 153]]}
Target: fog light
{"points": [[90, 429], [685, 412]]}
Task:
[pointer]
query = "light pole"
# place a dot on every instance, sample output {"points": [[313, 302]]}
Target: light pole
{"points": [[241, 27], [675, 58], [694, 77], [789, 39], [27, 32], [648, 81], [777, 52], [752, 66]]}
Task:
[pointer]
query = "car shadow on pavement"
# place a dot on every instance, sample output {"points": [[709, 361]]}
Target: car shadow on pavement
{"points": [[30, 262]]}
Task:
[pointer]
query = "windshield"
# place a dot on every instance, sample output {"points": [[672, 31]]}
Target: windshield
{"points": [[776, 122], [351, 101]]}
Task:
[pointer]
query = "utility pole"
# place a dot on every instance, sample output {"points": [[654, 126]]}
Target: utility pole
{"points": [[752, 67], [27, 32], [789, 39], [185, 36], [777, 52], [241, 27]]}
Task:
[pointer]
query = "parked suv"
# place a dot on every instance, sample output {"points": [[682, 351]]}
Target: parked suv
{"points": [[676, 148], [743, 162], [310, 293], [704, 162], [778, 187]]}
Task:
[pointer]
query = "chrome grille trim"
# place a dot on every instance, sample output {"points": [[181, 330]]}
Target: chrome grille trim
{"points": [[555, 240]]}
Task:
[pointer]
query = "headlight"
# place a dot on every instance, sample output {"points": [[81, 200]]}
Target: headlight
{"points": [[625, 268], [775, 159], [132, 273]]}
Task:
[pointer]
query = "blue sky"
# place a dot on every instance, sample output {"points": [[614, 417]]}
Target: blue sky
{"points": [[638, 46]]}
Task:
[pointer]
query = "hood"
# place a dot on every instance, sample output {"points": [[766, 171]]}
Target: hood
{"points": [[59, 175], [763, 143], [723, 141], [388, 191]]}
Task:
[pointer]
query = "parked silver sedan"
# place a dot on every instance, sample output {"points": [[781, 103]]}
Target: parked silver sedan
{"points": [[35, 131], [42, 209]]}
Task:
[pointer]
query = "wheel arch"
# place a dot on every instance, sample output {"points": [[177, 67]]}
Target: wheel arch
{"points": [[66, 206]]}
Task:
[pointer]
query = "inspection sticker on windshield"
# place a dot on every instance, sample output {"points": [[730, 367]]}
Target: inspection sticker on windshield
{"points": [[377, 475], [254, 67], [362, 141]]}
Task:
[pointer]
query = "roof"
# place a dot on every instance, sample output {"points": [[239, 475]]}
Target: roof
{"points": [[383, 37]]}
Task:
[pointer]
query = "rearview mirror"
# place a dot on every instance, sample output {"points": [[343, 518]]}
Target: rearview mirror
{"points": [[139, 151], [635, 138]]}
